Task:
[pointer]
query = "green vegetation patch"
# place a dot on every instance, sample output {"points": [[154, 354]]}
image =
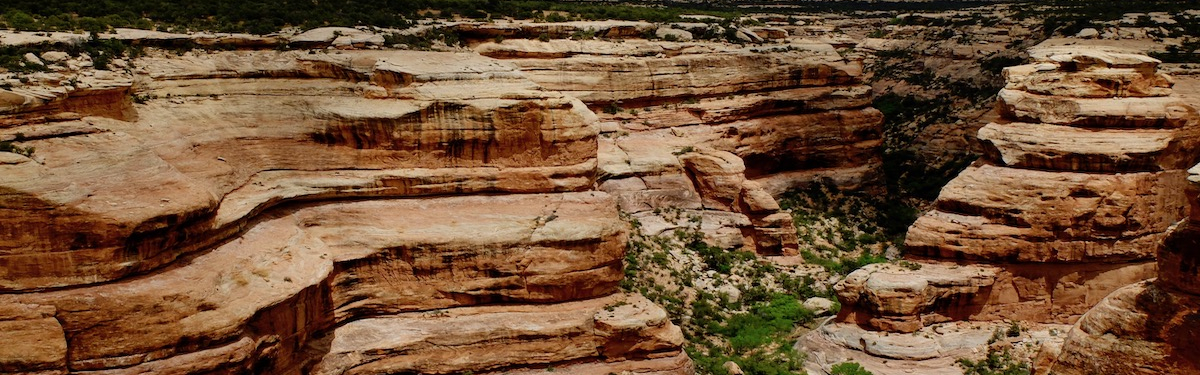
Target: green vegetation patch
{"points": [[844, 230], [268, 16], [849, 368], [694, 281]]}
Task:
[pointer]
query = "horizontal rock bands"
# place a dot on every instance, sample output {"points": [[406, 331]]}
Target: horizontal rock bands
{"points": [[297, 264], [1063, 205], [1154, 112], [1072, 149]]}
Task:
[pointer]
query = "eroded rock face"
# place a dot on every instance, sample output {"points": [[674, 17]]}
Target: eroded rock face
{"points": [[903, 303], [705, 126], [223, 148], [1081, 180], [1144, 328], [332, 213]]}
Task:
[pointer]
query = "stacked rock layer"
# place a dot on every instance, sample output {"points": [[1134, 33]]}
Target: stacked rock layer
{"points": [[1079, 183], [717, 130], [1148, 327], [358, 212]]}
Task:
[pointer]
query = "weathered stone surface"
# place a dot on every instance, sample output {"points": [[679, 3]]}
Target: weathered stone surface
{"points": [[204, 227], [673, 34], [1089, 73], [678, 364], [1006, 214], [1082, 178], [905, 299], [1140, 329], [901, 300], [1178, 258], [1065, 148], [1147, 327], [911, 346], [342, 261], [734, 141], [611, 29], [818, 305], [34, 339], [1148, 112], [931, 350], [488, 338], [1098, 83], [604, 79], [718, 175], [337, 36], [505, 136]]}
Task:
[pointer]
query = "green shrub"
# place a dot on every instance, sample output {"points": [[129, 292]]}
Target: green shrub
{"points": [[8, 146], [1014, 329], [613, 108], [716, 258], [20, 20], [583, 34], [996, 363], [849, 368], [764, 322]]}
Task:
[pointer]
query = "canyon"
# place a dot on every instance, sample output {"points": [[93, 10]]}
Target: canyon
{"points": [[362, 211], [597, 197], [257, 211], [1081, 179]]}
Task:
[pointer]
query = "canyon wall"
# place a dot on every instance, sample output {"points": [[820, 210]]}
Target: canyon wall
{"points": [[1145, 328], [312, 212], [718, 130], [1079, 182], [1081, 179]]}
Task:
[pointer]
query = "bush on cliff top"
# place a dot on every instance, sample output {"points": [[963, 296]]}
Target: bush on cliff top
{"points": [[267, 16]]}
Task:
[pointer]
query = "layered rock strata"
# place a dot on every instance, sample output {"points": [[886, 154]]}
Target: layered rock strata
{"points": [[714, 129], [1144, 328], [300, 212], [1078, 184]]}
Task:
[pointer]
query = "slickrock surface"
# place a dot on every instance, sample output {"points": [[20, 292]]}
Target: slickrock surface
{"points": [[931, 350], [1144, 328], [268, 212], [482, 338], [711, 127]]}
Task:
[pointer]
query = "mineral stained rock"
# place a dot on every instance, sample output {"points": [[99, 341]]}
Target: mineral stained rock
{"points": [[344, 212]]}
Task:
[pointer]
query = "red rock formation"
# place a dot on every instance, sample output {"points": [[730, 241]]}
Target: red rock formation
{"points": [[1145, 328], [766, 121], [1078, 184], [288, 213]]}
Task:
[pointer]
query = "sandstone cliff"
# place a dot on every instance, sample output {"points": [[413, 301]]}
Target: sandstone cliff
{"points": [[1079, 183], [1144, 328], [354, 212], [1080, 180], [715, 129]]}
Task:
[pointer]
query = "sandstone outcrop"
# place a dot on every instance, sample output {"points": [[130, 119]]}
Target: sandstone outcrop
{"points": [[1076, 188], [715, 129], [904, 302], [1078, 182], [1144, 328], [328, 213]]}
